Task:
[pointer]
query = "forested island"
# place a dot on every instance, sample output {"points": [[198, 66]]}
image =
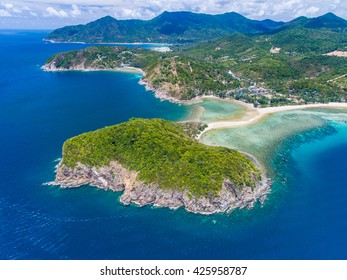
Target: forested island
{"points": [[154, 161]]}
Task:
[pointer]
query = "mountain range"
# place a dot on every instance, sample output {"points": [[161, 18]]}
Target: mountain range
{"points": [[181, 27]]}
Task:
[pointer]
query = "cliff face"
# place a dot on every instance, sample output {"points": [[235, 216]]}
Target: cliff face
{"points": [[116, 178]]}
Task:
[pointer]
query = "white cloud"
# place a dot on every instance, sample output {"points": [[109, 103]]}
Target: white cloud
{"points": [[310, 12], [4, 13], [11, 8], [16, 10], [136, 13], [75, 11], [33, 14], [129, 13], [50, 11], [7, 5]]}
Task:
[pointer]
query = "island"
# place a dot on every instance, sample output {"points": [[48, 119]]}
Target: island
{"points": [[158, 162]]}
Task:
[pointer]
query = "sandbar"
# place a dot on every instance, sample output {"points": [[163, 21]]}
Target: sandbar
{"points": [[254, 115]]}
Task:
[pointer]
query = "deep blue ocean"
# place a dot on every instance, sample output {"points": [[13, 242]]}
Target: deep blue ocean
{"points": [[303, 218]]}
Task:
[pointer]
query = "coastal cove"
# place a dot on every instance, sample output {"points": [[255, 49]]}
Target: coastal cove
{"points": [[40, 110]]}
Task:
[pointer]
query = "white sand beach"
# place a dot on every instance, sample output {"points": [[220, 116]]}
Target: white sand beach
{"points": [[254, 115]]}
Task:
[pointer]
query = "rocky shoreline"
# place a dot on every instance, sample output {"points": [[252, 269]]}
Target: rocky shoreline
{"points": [[116, 178], [161, 94], [158, 93], [52, 68]]}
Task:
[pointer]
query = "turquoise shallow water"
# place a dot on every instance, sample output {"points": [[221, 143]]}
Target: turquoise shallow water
{"points": [[302, 219], [215, 110]]}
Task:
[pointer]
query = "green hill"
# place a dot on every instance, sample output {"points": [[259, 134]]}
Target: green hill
{"points": [[327, 22], [162, 153], [305, 40], [287, 67]]}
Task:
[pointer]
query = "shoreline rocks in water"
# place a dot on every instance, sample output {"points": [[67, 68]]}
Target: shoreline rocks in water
{"points": [[158, 93], [116, 178]]}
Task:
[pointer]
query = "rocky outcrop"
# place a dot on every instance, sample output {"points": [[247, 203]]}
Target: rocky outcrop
{"points": [[52, 67], [159, 92], [116, 178]]}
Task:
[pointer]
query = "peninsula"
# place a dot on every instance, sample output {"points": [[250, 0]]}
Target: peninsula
{"points": [[291, 65]]}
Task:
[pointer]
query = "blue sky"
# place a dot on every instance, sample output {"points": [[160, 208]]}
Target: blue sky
{"points": [[41, 14]]}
